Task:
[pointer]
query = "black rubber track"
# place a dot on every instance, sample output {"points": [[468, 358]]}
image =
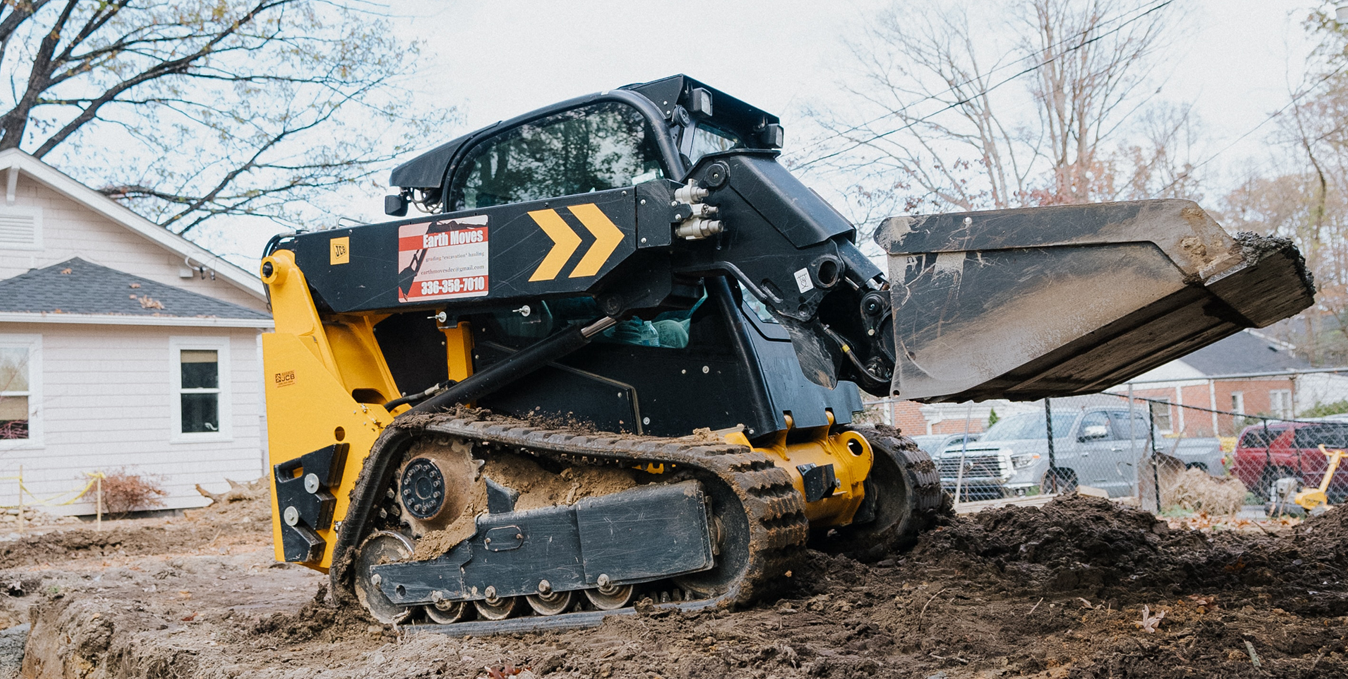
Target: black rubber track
{"points": [[775, 511]]}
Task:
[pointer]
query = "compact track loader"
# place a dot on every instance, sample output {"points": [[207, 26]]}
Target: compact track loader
{"points": [[621, 354]]}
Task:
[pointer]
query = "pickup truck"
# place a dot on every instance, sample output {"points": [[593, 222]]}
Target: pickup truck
{"points": [[1093, 446], [1268, 452]]}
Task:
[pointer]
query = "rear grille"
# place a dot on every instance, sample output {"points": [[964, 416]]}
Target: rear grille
{"points": [[975, 467]]}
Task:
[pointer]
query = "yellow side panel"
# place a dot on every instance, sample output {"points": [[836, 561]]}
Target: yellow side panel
{"points": [[305, 408], [459, 351], [358, 358]]}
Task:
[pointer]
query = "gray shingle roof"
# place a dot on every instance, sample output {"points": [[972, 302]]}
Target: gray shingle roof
{"points": [[79, 287], [1243, 352]]}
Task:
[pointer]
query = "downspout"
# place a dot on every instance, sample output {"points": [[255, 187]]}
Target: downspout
{"points": [[1212, 403]]}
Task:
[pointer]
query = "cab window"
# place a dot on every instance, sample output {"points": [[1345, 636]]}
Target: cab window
{"points": [[591, 148], [707, 139]]}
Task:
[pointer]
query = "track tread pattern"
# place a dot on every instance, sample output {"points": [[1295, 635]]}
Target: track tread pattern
{"points": [[778, 529]]}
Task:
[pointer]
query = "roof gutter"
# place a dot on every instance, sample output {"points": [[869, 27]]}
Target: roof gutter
{"points": [[155, 321]]}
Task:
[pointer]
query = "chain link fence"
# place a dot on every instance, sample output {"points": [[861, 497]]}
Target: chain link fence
{"points": [[1131, 441]]}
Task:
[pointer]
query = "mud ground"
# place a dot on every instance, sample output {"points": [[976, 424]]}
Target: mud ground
{"points": [[1057, 591]]}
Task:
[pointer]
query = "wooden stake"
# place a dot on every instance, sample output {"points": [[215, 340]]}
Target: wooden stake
{"points": [[98, 494], [20, 499]]}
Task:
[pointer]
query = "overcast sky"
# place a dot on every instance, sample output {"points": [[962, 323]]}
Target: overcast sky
{"points": [[1235, 59], [499, 59]]}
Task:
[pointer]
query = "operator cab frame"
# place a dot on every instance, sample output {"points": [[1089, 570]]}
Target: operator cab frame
{"points": [[684, 118]]}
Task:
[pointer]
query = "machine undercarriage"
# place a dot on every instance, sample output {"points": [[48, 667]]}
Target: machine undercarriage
{"points": [[556, 521]]}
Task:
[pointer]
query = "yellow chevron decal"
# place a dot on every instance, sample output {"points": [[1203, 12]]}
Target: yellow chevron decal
{"points": [[564, 243], [607, 238]]}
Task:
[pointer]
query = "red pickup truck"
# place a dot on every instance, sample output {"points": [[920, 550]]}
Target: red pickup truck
{"points": [[1266, 453]]}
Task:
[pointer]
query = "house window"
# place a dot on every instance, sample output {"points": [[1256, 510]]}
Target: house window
{"points": [[1238, 402], [19, 381], [1280, 402], [200, 392], [1160, 414], [200, 369], [14, 393]]}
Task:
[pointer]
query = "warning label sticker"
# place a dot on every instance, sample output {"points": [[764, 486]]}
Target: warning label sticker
{"points": [[445, 259]]}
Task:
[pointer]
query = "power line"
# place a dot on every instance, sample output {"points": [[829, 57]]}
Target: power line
{"points": [[956, 86], [1189, 172], [981, 93]]}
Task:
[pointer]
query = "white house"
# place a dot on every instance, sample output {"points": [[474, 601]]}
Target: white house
{"points": [[122, 346]]}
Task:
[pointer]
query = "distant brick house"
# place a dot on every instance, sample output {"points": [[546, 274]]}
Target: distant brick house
{"points": [[1245, 373], [121, 346]]}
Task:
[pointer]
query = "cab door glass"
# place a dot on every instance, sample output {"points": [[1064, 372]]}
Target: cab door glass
{"points": [[591, 148]]}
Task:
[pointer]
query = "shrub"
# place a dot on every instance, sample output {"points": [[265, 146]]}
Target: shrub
{"points": [[124, 492], [1323, 409]]}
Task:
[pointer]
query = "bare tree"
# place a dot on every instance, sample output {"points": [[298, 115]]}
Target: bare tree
{"points": [[191, 109], [967, 108], [1161, 162], [1089, 66], [1305, 197]]}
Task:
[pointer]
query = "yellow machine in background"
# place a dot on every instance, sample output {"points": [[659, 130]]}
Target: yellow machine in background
{"points": [[1312, 498]]}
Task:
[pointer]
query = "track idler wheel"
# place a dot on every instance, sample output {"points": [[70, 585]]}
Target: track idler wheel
{"points": [[381, 547], [610, 597], [447, 612], [494, 608], [551, 603]]}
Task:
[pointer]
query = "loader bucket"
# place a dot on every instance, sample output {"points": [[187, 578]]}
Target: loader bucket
{"points": [[1055, 301]]}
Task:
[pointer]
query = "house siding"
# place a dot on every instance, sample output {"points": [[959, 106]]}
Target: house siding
{"points": [[71, 230], [106, 404]]}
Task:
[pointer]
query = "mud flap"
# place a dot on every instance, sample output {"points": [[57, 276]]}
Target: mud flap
{"points": [[1055, 301], [646, 533]]}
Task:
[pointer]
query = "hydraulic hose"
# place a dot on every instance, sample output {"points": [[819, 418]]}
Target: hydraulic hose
{"points": [[516, 366]]}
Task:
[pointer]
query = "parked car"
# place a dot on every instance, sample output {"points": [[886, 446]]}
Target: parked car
{"points": [[1266, 453], [933, 444], [1094, 445]]}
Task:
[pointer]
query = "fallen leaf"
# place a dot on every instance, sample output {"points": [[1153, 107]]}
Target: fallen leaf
{"points": [[135, 285], [1149, 621], [65, 272]]}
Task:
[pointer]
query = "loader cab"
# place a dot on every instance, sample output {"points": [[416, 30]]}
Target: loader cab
{"points": [[617, 138]]}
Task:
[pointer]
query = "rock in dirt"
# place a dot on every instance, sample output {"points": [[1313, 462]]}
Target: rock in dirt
{"points": [[12, 641]]}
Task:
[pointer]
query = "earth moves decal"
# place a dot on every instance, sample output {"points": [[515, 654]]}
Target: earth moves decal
{"points": [[444, 259]]}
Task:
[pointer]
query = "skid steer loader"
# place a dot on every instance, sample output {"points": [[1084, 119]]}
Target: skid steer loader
{"points": [[621, 353]]}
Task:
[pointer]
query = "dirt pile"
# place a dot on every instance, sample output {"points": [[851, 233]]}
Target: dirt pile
{"points": [[1198, 491], [1073, 543], [1053, 592], [1100, 549], [243, 502]]}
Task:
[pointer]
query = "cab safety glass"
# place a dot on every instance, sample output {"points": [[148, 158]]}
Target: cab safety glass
{"points": [[708, 139], [591, 148]]}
